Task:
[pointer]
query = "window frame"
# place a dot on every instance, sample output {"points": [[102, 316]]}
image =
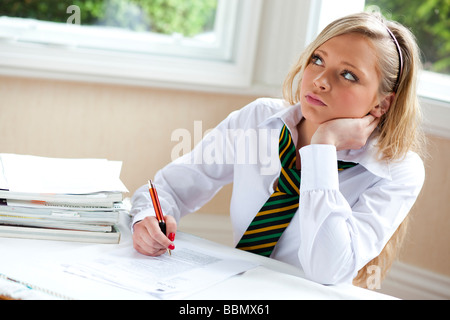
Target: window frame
{"points": [[232, 58]]}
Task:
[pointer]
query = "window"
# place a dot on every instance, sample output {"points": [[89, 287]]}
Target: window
{"points": [[139, 40], [149, 27]]}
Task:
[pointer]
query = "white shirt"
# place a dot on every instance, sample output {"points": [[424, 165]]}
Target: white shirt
{"points": [[344, 218]]}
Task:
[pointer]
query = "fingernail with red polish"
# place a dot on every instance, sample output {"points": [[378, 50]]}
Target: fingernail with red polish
{"points": [[171, 247], [171, 236]]}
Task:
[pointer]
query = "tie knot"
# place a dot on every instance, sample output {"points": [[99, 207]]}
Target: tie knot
{"points": [[342, 165], [286, 149]]}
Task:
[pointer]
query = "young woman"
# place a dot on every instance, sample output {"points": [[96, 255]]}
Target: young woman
{"points": [[350, 101]]}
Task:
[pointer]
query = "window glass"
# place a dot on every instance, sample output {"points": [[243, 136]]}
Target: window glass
{"points": [[145, 26], [429, 20], [188, 18]]}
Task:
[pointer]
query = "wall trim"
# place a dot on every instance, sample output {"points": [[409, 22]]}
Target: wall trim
{"points": [[406, 281]]}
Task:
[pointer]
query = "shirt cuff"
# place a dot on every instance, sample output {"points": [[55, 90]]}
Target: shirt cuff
{"points": [[141, 216], [319, 168]]}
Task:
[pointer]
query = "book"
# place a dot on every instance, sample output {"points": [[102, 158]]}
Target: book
{"points": [[37, 233], [85, 216], [104, 198]]}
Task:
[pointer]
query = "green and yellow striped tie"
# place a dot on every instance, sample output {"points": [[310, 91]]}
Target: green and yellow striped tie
{"points": [[273, 218]]}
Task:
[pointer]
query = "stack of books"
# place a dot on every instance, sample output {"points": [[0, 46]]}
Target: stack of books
{"points": [[60, 199]]}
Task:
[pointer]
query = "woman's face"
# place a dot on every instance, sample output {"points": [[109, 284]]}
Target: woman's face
{"points": [[340, 80]]}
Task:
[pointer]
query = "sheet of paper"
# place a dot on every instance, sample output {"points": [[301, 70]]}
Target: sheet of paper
{"points": [[175, 276], [33, 174]]}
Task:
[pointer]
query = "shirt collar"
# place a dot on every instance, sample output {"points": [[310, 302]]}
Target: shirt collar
{"points": [[367, 156], [289, 114]]}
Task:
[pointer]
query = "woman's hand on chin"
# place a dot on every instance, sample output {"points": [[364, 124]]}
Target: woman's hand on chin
{"points": [[346, 133]]}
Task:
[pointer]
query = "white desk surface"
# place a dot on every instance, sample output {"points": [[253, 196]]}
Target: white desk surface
{"points": [[271, 280]]}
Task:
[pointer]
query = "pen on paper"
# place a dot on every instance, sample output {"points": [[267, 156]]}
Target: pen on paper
{"points": [[158, 210]]}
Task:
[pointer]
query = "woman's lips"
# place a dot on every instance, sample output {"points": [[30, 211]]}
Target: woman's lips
{"points": [[314, 100]]}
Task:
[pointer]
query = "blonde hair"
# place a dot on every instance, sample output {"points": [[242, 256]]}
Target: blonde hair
{"points": [[399, 128]]}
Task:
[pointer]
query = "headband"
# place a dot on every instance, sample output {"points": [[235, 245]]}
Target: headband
{"points": [[400, 60]]}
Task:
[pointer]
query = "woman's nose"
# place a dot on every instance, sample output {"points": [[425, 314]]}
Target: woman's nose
{"points": [[321, 82]]}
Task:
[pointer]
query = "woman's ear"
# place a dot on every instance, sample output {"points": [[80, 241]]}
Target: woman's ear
{"points": [[383, 107]]}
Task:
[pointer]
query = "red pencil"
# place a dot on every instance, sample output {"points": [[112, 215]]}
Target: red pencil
{"points": [[157, 207], [155, 200]]}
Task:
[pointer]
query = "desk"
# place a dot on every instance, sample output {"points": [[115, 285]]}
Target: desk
{"points": [[271, 280]]}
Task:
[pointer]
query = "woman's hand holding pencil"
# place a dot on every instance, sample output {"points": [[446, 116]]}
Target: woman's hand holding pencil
{"points": [[154, 236]]}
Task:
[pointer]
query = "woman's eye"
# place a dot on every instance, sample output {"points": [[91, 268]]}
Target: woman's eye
{"points": [[349, 76], [317, 60]]}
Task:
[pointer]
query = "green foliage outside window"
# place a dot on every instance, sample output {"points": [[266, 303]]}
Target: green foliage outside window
{"points": [[429, 20], [163, 16]]}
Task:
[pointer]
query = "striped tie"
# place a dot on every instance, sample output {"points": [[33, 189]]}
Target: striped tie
{"points": [[273, 218]]}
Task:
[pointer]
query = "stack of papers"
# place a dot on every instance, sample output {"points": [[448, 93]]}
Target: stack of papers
{"points": [[60, 199]]}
